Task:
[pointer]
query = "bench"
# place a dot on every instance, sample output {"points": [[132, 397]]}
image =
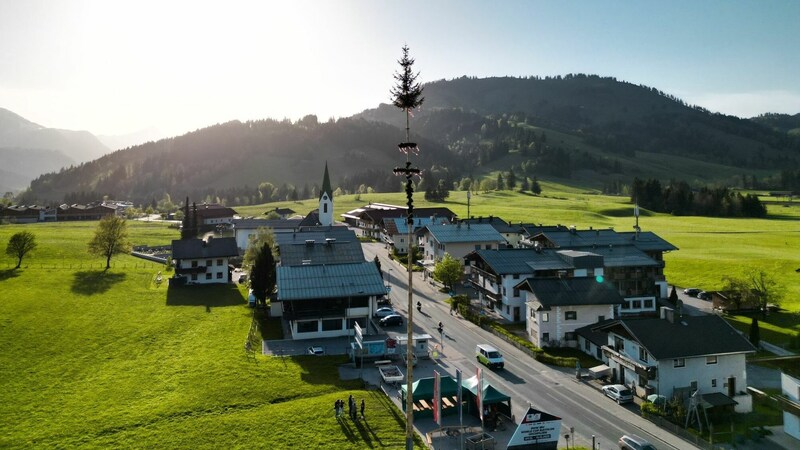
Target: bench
{"points": [[447, 403]]}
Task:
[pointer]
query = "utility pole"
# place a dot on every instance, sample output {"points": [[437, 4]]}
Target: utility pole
{"points": [[407, 95]]}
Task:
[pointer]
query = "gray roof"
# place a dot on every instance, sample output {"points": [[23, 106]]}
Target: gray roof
{"points": [[519, 260], [565, 238], [688, 336], [593, 334], [395, 226], [276, 224], [329, 281], [625, 257], [321, 252], [571, 291], [448, 234], [199, 249], [499, 224], [316, 233]]}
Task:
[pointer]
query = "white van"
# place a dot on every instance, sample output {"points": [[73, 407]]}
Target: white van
{"points": [[488, 355]]}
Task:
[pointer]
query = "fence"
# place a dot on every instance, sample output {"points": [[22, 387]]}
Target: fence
{"points": [[101, 265]]}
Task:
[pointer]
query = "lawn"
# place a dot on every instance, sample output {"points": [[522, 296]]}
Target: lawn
{"points": [[110, 359]]}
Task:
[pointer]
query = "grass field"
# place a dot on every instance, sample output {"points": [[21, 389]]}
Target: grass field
{"points": [[111, 359]]}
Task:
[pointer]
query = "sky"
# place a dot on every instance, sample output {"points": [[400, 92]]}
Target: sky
{"points": [[117, 67]]}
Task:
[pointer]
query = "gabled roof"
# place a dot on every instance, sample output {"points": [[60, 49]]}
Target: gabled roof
{"points": [[499, 224], [592, 333], [329, 281], [311, 219], [449, 234], [317, 233], [275, 224], [398, 225], [552, 292], [566, 238], [518, 260], [624, 256], [686, 336], [213, 210], [199, 249]]}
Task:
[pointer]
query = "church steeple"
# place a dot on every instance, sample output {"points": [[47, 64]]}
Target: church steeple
{"points": [[326, 200]]}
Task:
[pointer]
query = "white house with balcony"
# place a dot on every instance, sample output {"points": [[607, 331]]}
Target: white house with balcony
{"points": [[674, 355], [457, 239], [203, 262]]}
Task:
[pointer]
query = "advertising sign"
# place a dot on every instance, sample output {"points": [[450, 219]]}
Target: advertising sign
{"points": [[538, 430], [437, 398]]}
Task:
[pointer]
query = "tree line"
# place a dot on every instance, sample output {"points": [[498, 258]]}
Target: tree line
{"points": [[678, 198]]}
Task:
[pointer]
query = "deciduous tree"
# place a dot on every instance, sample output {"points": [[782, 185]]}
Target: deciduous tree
{"points": [[263, 236], [448, 271], [110, 238], [20, 244]]}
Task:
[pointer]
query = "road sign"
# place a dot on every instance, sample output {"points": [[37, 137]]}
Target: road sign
{"points": [[537, 429]]}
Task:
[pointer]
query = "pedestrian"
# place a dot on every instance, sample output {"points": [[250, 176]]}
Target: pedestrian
{"points": [[363, 406], [336, 408], [339, 407]]}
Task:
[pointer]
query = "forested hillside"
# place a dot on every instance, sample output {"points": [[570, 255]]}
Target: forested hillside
{"points": [[583, 130]]}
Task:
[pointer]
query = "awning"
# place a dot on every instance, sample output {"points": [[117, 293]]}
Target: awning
{"points": [[600, 371], [717, 399]]}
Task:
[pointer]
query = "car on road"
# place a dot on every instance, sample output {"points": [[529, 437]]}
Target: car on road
{"points": [[633, 442], [318, 351], [692, 292], [488, 355], [384, 311], [391, 320], [703, 295], [618, 393]]}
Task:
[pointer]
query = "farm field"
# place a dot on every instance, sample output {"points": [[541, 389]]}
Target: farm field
{"points": [[111, 359]]}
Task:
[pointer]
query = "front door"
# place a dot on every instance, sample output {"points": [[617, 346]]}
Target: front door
{"points": [[731, 387], [516, 314]]}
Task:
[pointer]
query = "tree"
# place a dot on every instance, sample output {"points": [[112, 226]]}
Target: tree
{"points": [[755, 334], [511, 179], [262, 236], [524, 185], [500, 183], [673, 296], [110, 238], [535, 188], [20, 245], [737, 292], [186, 222], [262, 274], [448, 271], [407, 93], [765, 288], [378, 265]]}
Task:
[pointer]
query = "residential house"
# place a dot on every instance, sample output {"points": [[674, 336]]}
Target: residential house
{"points": [[209, 215], [675, 355], [395, 231], [202, 262], [318, 245], [557, 307], [790, 391], [369, 219], [84, 212], [458, 240], [245, 229], [511, 233]]}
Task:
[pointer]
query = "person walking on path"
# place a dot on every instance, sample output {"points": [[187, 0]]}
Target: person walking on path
{"points": [[363, 406]]}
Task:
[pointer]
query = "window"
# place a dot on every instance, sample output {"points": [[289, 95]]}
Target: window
{"points": [[208, 276], [570, 336], [642, 354], [587, 344], [331, 324], [516, 292], [219, 262], [533, 314], [546, 337], [324, 208], [219, 275], [307, 326], [208, 263], [194, 277], [570, 315], [516, 276], [713, 382], [680, 362], [648, 304], [194, 263], [711, 360], [636, 304], [478, 247], [601, 318], [488, 246], [545, 317]]}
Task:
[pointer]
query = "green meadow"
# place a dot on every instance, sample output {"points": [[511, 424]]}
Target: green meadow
{"points": [[112, 359]]}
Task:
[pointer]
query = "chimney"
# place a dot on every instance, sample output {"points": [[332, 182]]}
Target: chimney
{"points": [[309, 242]]}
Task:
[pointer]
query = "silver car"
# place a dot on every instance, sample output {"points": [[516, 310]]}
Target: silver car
{"points": [[633, 442], [618, 392]]}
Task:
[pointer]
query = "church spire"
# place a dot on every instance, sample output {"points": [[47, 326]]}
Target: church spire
{"points": [[326, 184]]}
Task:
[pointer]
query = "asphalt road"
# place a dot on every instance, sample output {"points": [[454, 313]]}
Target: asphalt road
{"points": [[527, 381]]}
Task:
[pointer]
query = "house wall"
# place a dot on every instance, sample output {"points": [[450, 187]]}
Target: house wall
{"points": [[218, 270], [790, 388], [586, 346], [696, 369], [342, 330], [557, 326]]}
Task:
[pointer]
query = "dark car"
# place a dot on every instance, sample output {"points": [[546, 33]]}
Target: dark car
{"points": [[391, 320], [692, 292], [703, 295]]}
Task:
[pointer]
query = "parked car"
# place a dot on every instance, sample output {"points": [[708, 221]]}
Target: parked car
{"points": [[618, 393], [391, 320], [384, 311], [319, 351], [692, 292], [633, 442], [703, 295]]}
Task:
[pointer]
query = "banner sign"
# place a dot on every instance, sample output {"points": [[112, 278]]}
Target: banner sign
{"points": [[537, 429], [437, 398], [359, 336], [479, 397], [460, 408]]}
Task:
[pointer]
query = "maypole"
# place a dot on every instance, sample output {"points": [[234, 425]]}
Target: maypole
{"points": [[407, 95]]}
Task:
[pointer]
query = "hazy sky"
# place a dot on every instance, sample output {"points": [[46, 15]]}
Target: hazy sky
{"points": [[114, 67]]}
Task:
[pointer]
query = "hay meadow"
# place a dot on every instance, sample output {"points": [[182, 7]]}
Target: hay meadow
{"points": [[99, 359]]}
